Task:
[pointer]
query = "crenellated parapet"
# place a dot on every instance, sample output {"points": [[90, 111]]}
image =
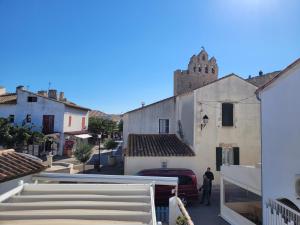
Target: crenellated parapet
{"points": [[201, 71]]}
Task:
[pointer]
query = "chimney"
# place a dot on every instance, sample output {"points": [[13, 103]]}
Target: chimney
{"points": [[52, 93], [2, 90], [42, 93], [20, 87], [260, 73], [62, 96], [143, 104]]}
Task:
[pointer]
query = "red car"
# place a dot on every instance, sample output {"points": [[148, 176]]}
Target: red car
{"points": [[187, 184]]}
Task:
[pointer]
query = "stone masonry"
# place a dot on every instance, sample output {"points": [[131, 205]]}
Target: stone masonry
{"points": [[201, 71]]}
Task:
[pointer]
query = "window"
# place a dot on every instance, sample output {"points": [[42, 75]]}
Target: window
{"points": [[229, 156], [83, 123], [200, 69], [203, 57], [28, 118], [213, 70], [70, 121], [11, 118], [163, 126], [227, 114], [31, 99], [194, 69], [243, 202], [206, 69], [185, 180]]}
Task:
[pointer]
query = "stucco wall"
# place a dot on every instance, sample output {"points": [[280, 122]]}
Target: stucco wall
{"points": [[280, 137], [146, 120], [245, 133], [185, 114], [37, 109], [76, 121], [7, 109]]}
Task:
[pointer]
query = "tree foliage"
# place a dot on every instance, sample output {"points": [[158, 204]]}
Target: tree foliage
{"points": [[83, 153], [99, 125], [18, 136], [110, 144]]}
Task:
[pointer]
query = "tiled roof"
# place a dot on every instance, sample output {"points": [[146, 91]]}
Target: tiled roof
{"points": [[14, 165], [259, 81], [157, 145], [8, 98]]}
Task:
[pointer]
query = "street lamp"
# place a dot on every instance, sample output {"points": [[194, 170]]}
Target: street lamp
{"points": [[204, 121]]}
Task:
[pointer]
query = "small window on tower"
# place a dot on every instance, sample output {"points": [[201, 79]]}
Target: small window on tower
{"points": [[203, 57], [206, 69], [213, 70]]}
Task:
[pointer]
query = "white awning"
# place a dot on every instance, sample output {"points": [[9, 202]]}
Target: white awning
{"points": [[83, 136]]}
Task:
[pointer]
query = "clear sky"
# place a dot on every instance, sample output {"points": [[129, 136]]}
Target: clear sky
{"points": [[112, 55]]}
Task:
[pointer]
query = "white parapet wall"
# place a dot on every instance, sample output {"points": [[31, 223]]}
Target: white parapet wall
{"points": [[247, 178]]}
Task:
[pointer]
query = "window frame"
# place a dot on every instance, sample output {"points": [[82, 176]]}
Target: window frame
{"points": [[11, 118], [166, 126], [32, 98], [226, 121]]}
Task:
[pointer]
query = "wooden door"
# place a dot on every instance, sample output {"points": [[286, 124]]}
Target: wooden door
{"points": [[48, 124]]}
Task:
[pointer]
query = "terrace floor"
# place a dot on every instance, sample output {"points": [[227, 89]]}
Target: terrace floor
{"points": [[207, 215]]}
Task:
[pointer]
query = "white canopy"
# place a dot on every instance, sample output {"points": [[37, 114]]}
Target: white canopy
{"points": [[83, 136]]}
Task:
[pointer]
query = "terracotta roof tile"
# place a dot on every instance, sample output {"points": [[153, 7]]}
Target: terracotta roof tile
{"points": [[157, 145], [8, 98], [14, 165]]}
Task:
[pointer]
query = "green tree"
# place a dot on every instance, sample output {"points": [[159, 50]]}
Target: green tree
{"points": [[110, 144], [83, 153], [99, 125]]}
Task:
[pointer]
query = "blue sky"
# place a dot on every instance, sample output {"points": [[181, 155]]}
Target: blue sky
{"points": [[112, 55]]}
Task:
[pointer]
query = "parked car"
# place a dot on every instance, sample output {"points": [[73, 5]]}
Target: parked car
{"points": [[187, 184]]}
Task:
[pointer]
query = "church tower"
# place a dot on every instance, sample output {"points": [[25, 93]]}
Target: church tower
{"points": [[201, 71]]}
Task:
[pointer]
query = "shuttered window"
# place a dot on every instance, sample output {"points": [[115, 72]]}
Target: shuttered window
{"points": [[163, 126], [227, 156], [236, 156], [218, 158], [227, 114]]}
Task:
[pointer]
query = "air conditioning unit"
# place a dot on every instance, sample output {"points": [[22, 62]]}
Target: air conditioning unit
{"points": [[297, 186]]}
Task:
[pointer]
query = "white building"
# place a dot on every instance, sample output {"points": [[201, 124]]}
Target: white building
{"points": [[45, 112], [220, 122], [280, 110]]}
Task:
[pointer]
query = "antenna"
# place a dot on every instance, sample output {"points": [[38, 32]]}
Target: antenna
{"points": [[49, 85]]}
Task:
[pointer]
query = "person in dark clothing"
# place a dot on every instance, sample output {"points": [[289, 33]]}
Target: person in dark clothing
{"points": [[206, 189], [210, 176]]}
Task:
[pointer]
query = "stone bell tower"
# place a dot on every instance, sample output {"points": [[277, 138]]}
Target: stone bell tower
{"points": [[201, 71]]}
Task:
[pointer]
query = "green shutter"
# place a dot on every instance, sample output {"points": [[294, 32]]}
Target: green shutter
{"points": [[236, 156], [218, 158]]}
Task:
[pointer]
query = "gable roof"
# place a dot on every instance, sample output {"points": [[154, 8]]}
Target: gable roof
{"points": [[67, 103], [289, 67], [14, 165], [10, 98], [157, 145]]}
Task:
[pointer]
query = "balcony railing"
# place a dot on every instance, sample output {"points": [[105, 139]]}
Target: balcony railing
{"points": [[280, 214]]}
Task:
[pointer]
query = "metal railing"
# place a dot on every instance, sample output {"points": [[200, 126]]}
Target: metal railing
{"points": [[281, 214]]}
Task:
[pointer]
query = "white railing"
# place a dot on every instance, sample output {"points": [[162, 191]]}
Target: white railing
{"points": [[97, 178], [280, 214], [177, 210]]}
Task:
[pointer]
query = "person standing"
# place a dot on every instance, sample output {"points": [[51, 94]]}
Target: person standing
{"points": [[205, 191], [210, 176]]}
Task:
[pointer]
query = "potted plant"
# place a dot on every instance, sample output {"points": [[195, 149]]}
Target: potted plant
{"points": [[110, 144]]}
